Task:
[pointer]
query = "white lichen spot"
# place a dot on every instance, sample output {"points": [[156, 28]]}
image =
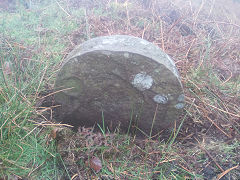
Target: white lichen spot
{"points": [[179, 105], [160, 99], [181, 98], [126, 55], [142, 81], [134, 62]]}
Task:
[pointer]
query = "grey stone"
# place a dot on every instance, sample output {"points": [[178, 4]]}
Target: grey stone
{"points": [[121, 80]]}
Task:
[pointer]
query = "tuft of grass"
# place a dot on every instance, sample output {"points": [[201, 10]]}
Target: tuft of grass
{"points": [[23, 148], [31, 45]]}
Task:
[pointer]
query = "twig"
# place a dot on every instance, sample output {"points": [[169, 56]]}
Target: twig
{"points": [[63, 9], [144, 30], [227, 78], [174, 24], [67, 125], [87, 24], [155, 114], [56, 92], [127, 12], [165, 161], [184, 168], [75, 175], [190, 48], [47, 108], [37, 91], [200, 8], [225, 172], [163, 47]]}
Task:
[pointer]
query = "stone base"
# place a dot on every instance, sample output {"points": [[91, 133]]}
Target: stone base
{"points": [[121, 80]]}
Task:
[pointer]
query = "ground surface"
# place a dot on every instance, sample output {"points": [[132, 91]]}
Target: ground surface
{"points": [[202, 37]]}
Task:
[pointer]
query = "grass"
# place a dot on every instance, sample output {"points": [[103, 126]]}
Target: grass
{"points": [[34, 42], [29, 55]]}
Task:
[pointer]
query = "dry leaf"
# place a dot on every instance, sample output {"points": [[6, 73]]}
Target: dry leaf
{"points": [[95, 164], [54, 132]]}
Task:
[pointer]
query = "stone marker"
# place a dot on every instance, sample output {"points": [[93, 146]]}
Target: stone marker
{"points": [[122, 80]]}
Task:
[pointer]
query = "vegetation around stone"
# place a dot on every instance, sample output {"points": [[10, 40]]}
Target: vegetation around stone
{"points": [[202, 37]]}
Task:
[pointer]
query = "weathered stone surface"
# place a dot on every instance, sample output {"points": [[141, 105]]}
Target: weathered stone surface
{"points": [[128, 81]]}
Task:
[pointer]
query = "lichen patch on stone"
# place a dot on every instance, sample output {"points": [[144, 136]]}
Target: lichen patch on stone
{"points": [[181, 98], [142, 81], [179, 105], [160, 99]]}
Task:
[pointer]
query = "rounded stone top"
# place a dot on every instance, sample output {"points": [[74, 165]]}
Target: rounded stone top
{"points": [[127, 81], [125, 43]]}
